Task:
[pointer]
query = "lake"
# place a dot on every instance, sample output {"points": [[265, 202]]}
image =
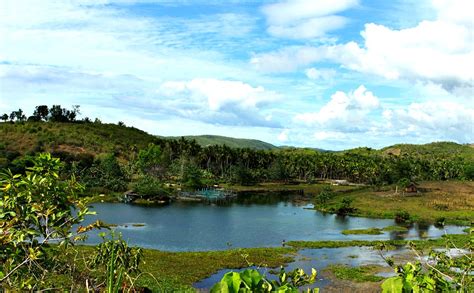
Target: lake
{"points": [[183, 226]]}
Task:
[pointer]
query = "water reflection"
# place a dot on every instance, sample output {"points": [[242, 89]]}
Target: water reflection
{"points": [[247, 222]]}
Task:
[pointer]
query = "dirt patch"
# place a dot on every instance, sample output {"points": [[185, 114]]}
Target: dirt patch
{"points": [[70, 149]]}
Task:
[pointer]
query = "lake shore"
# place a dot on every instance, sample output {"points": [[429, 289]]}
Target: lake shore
{"points": [[168, 271]]}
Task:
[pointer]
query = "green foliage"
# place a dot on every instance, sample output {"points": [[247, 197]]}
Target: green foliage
{"points": [[324, 196], [345, 206], [35, 209], [441, 272], [149, 187], [150, 159], [251, 280], [241, 175], [357, 274], [106, 172], [403, 183], [469, 171], [402, 217], [278, 171], [118, 260], [368, 231], [395, 229]]}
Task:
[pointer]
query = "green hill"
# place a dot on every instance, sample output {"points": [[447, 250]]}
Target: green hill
{"points": [[97, 138], [445, 149], [76, 138], [205, 140]]}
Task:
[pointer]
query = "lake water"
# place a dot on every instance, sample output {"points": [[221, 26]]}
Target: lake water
{"points": [[319, 259], [184, 226]]}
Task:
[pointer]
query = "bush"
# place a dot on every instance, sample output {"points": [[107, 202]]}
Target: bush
{"points": [[241, 175], [325, 195], [402, 217], [345, 206], [251, 280], [149, 187]]}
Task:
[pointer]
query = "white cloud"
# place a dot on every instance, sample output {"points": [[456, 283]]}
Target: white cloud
{"points": [[320, 74], [304, 19], [329, 135], [439, 51], [347, 111], [220, 93], [448, 120], [283, 136]]}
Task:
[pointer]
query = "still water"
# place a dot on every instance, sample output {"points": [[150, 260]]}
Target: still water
{"points": [[319, 259], [184, 226]]}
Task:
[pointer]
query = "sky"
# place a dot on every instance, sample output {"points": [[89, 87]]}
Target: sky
{"points": [[331, 74]]}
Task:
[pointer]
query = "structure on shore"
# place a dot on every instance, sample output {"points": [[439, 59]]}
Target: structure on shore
{"points": [[207, 194]]}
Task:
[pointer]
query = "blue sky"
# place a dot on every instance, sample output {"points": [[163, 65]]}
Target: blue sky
{"points": [[330, 74]]}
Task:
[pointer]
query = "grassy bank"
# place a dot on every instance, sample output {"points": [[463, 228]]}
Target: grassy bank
{"points": [[451, 201], [177, 271], [459, 240], [357, 274], [164, 271]]}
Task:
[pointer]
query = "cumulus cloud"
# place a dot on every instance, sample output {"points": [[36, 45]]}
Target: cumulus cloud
{"points": [[304, 19], [439, 51], [347, 111], [448, 120], [220, 93], [219, 101], [360, 112]]}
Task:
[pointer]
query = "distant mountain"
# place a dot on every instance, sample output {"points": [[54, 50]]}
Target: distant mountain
{"points": [[205, 140]]}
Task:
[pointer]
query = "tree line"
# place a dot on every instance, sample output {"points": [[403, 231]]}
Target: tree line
{"points": [[194, 166]]}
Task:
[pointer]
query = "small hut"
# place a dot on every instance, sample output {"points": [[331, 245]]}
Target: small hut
{"points": [[411, 188]]}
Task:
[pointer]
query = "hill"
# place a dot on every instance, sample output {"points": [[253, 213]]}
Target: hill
{"points": [[445, 149], [75, 138], [101, 138], [205, 140]]}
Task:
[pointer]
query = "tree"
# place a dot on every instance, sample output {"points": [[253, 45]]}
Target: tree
{"points": [[20, 116], [4, 117], [12, 116], [149, 160], [192, 176], [41, 112], [36, 210], [57, 114]]}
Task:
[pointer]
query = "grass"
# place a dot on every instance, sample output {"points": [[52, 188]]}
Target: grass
{"points": [[73, 138], [356, 274], [459, 240], [308, 189], [395, 229], [368, 231], [177, 271], [451, 200]]}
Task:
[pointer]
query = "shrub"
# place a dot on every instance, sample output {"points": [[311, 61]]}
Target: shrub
{"points": [[149, 187], [251, 280], [35, 209], [402, 217], [345, 206], [325, 195]]}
